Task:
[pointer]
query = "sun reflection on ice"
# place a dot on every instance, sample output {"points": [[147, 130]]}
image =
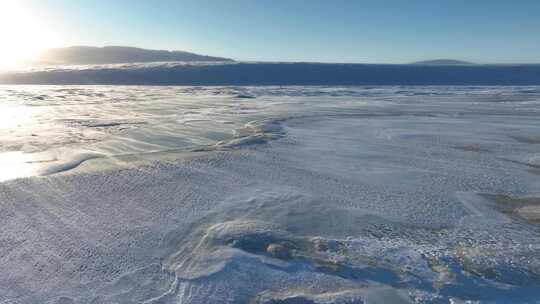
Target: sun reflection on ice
{"points": [[16, 164], [14, 121], [15, 116]]}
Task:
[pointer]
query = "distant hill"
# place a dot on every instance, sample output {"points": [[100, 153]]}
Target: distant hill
{"points": [[116, 54], [442, 62]]}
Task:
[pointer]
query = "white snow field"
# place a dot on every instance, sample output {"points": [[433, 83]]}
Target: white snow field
{"points": [[137, 194]]}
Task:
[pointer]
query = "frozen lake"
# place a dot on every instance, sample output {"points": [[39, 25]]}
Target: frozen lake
{"points": [[380, 194]]}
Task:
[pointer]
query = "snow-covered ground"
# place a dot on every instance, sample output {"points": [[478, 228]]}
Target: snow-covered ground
{"points": [[115, 194]]}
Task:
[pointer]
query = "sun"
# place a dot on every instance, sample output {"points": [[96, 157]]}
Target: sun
{"points": [[22, 35]]}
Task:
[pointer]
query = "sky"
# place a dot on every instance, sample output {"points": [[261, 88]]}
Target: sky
{"points": [[382, 31]]}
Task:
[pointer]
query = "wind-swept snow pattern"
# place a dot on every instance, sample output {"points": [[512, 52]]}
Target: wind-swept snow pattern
{"points": [[116, 194]]}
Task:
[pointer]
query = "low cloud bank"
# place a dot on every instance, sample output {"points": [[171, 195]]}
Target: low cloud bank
{"points": [[230, 73]]}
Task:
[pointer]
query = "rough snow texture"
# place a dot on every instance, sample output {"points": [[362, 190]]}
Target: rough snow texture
{"points": [[304, 195]]}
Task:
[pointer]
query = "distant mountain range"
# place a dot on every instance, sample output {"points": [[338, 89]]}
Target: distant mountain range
{"points": [[118, 65], [80, 55], [117, 54], [442, 62]]}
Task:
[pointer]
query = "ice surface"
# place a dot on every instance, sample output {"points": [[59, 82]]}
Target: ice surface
{"points": [[298, 195]]}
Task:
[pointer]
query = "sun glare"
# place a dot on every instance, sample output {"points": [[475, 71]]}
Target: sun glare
{"points": [[22, 36]]}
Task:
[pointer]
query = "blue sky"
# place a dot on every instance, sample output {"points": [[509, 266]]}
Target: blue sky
{"points": [[381, 31]]}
